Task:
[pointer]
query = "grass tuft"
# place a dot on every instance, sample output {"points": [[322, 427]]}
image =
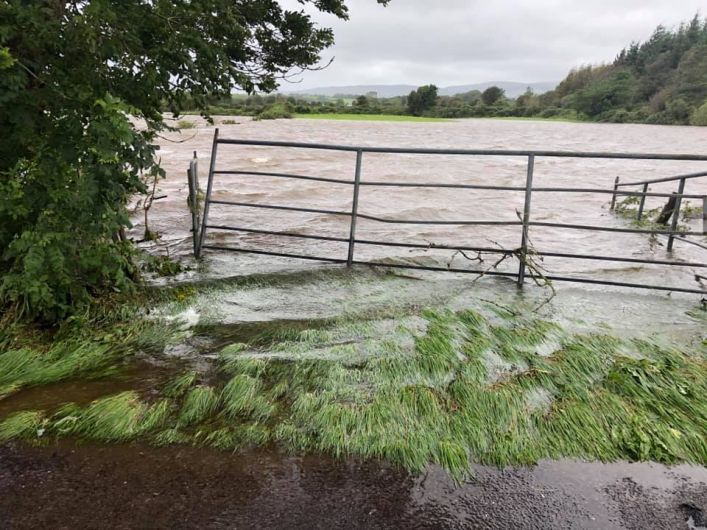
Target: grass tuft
{"points": [[114, 418], [241, 398], [181, 384], [22, 425], [171, 436], [199, 404], [25, 368]]}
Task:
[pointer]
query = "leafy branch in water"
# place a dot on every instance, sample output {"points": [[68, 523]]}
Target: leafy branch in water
{"points": [[532, 261], [528, 257], [163, 265]]}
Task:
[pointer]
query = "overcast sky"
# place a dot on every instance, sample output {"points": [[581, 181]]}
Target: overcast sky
{"points": [[455, 42]]}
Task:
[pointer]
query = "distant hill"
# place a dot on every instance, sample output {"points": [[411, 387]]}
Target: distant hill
{"points": [[513, 89], [384, 91]]}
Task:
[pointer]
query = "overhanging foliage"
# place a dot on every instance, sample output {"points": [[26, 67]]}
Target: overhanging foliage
{"points": [[75, 77]]}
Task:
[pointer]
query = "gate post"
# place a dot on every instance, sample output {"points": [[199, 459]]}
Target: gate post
{"points": [[613, 197], [526, 220], [354, 208], [642, 203], [207, 198], [193, 179], [676, 215]]}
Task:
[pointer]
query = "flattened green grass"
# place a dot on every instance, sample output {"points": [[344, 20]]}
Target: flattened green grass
{"points": [[368, 117], [22, 425], [92, 345], [26, 367], [432, 397]]}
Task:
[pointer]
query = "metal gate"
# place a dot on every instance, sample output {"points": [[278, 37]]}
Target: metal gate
{"points": [[201, 226]]}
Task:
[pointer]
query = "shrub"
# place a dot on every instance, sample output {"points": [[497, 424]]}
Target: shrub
{"points": [[699, 117], [275, 111], [678, 110], [186, 124], [550, 112]]}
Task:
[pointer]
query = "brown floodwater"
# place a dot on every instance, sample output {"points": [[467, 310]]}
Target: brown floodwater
{"points": [[171, 218]]}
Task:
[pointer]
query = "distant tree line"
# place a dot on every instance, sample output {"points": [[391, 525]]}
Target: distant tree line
{"points": [[662, 80]]}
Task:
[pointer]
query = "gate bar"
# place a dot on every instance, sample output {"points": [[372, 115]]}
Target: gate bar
{"points": [[282, 175], [268, 253], [455, 186], [642, 204], [481, 152], [612, 229], [278, 207], [275, 233], [570, 279], [483, 250], [666, 179]]}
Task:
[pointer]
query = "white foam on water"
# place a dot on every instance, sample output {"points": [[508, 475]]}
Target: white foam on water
{"points": [[187, 319]]}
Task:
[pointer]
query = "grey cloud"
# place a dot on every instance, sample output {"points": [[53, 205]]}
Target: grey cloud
{"points": [[450, 42]]}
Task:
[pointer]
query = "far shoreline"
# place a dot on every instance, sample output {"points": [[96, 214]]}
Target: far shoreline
{"points": [[429, 119], [422, 119], [404, 118]]}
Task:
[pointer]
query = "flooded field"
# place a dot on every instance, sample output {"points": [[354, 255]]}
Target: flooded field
{"points": [[171, 218], [267, 392]]}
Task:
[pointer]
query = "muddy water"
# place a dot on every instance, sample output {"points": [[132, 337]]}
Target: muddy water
{"points": [[171, 218], [145, 376], [61, 486]]}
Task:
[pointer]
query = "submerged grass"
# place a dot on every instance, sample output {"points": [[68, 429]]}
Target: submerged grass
{"points": [[473, 386], [180, 385], [26, 367], [199, 404], [96, 344]]}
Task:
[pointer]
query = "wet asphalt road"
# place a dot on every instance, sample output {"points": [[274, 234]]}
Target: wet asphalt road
{"points": [[65, 486]]}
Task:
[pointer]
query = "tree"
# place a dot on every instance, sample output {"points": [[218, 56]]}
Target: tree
{"points": [[74, 77], [492, 95], [678, 111], [605, 95], [473, 96], [422, 99], [361, 101], [527, 103]]}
